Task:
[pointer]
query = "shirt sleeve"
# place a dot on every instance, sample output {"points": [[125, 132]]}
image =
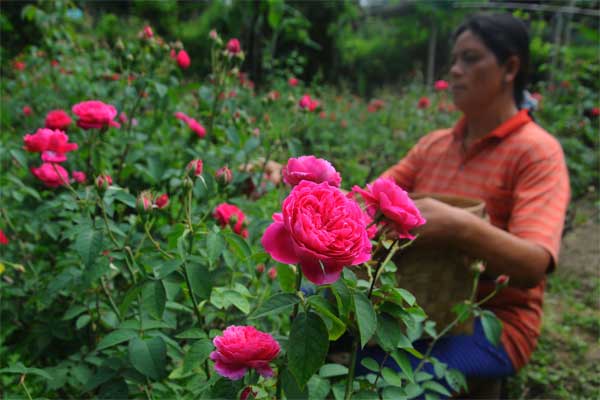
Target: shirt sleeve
{"points": [[405, 171], [540, 200]]}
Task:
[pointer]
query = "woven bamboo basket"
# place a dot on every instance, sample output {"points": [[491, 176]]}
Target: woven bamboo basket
{"points": [[439, 277]]}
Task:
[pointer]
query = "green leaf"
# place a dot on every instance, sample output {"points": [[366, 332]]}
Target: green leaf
{"points": [[200, 280], [149, 356], [192, 333], [166, 268], [307, 347], [393, 393], [318, 388], [335, 326], [407, 296], [115, 389], [88, 245], [330, 370], [456, 380], [492, 327], [73, 311], [19, 368], [388, 332], [404, 363], [391, 377], [436, 387], [238, 245], [413, 390], [82, 321], [161, 89], [365, 317], [286, 278], [237, 300], [197, 354], [19, 155], [154, 298], [343, 298], [215, 243], [291, 388], [125, 198], [115, 337], [275, 304], [370, 364]]}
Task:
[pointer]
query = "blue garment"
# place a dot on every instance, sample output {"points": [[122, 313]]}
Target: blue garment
{"points": [[473, 355]]}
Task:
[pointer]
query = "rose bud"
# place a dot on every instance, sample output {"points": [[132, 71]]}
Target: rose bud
{"points": [[144, 201], [260, 268], [224, 176], [103, 182], [195, 166], [478, 267], [502, 280], [162, 201]]}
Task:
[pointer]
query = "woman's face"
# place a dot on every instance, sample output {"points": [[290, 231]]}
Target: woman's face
{"points": [[476, 77]]}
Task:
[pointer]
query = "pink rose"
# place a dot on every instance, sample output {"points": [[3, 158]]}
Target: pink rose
{"points": [[144, 201], [192, 123], [272, 273], [320, 229], [375, 105], [310, 168], [19, 65], [233, 46], [58, 119], [148, 33], [293, 82], [94, 114], [440, 85], [224, 175], [27, 111], [307, 103], [162, 201], [228, 214], [183, 59], [103, 181], [53, 175], [53, 144], [385, 197], [241, 348], [213, 34], [195, 166], [502, 280], [3, 238], [79, 176], [424, 102]]}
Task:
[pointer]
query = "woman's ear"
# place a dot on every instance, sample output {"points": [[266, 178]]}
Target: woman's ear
{"points": [[512, 67]]}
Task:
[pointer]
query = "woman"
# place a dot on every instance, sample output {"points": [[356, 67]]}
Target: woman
{"points": [[498, 154]]}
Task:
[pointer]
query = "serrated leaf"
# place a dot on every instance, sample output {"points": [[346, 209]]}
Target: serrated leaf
{"points": [[200, 280], [436, 387], [125, 198], [166, 268], [365, 317], [154, 298], [391, 377], [404, 363], [82, 321], [407, 296], [236, 299], [388, 332], [370, 364], [215, 243], [238, 245], [330, 370], [456, 380], [343, 298], [492, 327], [88, 244], [115, 337], [335, 326], [149, 356], [290, 387], [197, 354], [275, 304], [307, 347], [192, 333], [73, 311]]}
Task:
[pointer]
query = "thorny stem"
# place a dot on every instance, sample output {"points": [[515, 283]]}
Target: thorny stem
{"points": [[110, 299], [155, 243]]}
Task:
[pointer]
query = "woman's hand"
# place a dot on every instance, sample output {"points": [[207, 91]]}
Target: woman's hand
{"points": [[442, 224]]}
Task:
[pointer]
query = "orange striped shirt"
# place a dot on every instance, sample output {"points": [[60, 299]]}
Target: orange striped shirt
{"points": [[519, 170]]}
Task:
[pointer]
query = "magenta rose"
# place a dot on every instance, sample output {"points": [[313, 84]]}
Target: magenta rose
{"points": [[320, 229], [233, 46], [393, 203], [191, 123], [53, 175], [94, 114], [79, 176], [308, 103], [241, 348], [228, 214], [58, 119], [310, 168], [440, 85], [183, 59], [53, 144]]}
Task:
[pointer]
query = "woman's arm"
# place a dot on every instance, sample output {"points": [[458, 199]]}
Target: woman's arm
{"points": [[524, 261]]}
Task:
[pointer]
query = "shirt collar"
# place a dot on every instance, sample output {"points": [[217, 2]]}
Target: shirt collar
{"points": [[504, 129]]}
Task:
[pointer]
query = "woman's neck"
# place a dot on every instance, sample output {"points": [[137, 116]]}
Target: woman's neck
{"points": [[485, 120]]}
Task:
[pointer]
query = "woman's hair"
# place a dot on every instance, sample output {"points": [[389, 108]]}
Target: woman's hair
{"points": [[505, 36]]}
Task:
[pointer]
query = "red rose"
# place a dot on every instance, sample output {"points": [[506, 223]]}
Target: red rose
{"points": [[162, 201], [424, 102], [58, 119], [79, 176], [293, 82], [27, 111], [3, 238], [148, 32], [440, 85], [103, 181]]}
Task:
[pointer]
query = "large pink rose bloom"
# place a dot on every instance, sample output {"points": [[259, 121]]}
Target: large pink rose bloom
{"points": [[53, 144], [241, 348], [310, 168], [94, 114], [53, 175], [394, 204], [58, 119], [319, 228]]}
